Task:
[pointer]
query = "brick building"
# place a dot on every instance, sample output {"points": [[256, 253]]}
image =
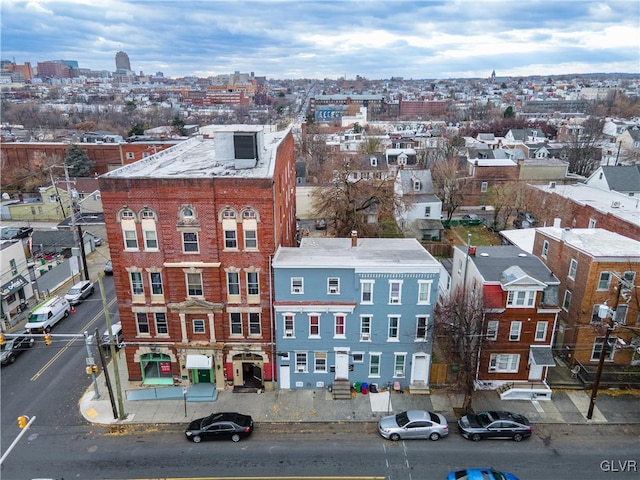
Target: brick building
{"points": [[520, 306], [588, 262], [191, 231]]}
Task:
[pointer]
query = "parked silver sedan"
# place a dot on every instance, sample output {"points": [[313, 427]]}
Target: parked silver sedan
{"points": [[413, 424]]}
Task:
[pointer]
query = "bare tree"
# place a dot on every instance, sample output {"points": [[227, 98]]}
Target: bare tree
{"points": [[349, 202], [449, 184], [584, 153], [502, 198], [459, 329]]}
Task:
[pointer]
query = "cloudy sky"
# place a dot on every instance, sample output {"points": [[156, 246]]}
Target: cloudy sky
{"points": [[328, 39]]}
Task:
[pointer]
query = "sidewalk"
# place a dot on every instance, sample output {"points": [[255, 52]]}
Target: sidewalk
{"points": [[309, 406], [569, 404]]}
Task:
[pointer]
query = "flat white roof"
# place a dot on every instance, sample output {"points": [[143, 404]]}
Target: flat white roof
{"points": [[617, 204], [596, 242], [196, 158], [371, 255]]}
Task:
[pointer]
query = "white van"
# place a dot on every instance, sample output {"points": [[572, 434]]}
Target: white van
{"points": [[47, 315]]}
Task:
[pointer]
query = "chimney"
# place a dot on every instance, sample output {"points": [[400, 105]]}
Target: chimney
{"points": [[472, 251], [354, 238], [556, 222]]}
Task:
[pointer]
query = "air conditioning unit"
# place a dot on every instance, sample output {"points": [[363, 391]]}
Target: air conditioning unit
{"points": [[288, 333], [297, 290], [333, 290], [300, 370], [365, 337], [616, 204]]}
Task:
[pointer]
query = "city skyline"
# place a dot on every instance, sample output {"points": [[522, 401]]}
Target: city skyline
{"points": [[312, 39]]}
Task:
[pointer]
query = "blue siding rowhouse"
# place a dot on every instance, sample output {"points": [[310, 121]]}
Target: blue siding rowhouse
{"points": [[358, 309]]}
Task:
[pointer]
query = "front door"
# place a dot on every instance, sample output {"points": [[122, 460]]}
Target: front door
{"points": [[284, 377], [420, 368], [204, 376], [342, 363], [535, 372]]}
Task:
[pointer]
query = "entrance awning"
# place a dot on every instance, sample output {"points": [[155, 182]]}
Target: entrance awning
{"points": [[542, 356], [196, 362], [13, 286]]}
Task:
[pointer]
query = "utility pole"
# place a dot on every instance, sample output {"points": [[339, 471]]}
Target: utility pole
{"points": [[112, 346], [77, 230], [90, 361], [604, 350]]}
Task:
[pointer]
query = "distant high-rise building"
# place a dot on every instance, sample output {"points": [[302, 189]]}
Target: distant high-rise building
{"points": [[122, 61]]}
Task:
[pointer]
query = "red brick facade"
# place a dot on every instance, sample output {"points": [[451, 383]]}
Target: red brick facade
{"points": [[578, 324], [235, 356]]}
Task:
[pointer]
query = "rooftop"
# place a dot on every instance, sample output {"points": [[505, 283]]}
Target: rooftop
{"points": [[200, 157], [404, 255], [596, 242]]}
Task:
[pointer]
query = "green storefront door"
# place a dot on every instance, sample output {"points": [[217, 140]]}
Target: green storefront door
{"points": [[204, 376]]}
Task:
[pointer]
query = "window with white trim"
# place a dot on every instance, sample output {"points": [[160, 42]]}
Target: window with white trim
{"points": [[424, 292], [233, 283], [136, 283], [545, 249], [398, 365], [190, 242], [422, 327], [194, 284], [320, 362], [297, 285], [541, 331], [566, 302], [573, 268], [521, 298], [198, 326], [358, 357], [235, 323], [255, 327], [142, 323], [484, 186], [374, 364], [162, 325], [393, 328], [340, 325], [492, 329], [515, 330], [365, 328], [504, 363], [427, 211], [604, 282], [314, 325], [333, 286], [150, 239], [620, 316], [230, 229], [289, 331], [253, 284], [130, 239], [155, 279], [366, 291], [301, 362], [597, 349], [592, 223], [395, 292]]}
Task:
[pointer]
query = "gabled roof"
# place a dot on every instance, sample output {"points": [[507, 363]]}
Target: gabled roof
{"points": [[623, 178], [514, 275], [506, 263], [50, 240]]}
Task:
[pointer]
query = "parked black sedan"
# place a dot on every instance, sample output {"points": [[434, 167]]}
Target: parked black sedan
{"points": [[494, 425], [225, 425], [14, 345]]}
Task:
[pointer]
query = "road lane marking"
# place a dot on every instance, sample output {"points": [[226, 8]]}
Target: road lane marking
{"points": [[66, 347]]}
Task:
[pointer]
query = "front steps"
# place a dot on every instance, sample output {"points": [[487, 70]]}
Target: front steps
{"points": [[341, 389]]}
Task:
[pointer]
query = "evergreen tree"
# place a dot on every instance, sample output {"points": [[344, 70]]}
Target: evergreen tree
{"points": [[78, 162]]}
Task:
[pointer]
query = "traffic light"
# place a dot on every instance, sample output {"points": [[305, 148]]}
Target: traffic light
{"points": [[22, 421], [92, 369], [2, 341], [47, 339]]}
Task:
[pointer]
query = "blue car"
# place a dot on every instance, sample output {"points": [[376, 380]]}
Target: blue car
{"points": [[480, 474]]}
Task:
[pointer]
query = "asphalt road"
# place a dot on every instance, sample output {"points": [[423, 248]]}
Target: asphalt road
{"points": [[555, 452]]}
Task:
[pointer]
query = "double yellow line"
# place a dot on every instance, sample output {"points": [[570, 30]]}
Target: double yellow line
{"points": [[70, 342]]}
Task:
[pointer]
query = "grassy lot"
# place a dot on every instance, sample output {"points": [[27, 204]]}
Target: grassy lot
{"points": [[480, 235]]}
